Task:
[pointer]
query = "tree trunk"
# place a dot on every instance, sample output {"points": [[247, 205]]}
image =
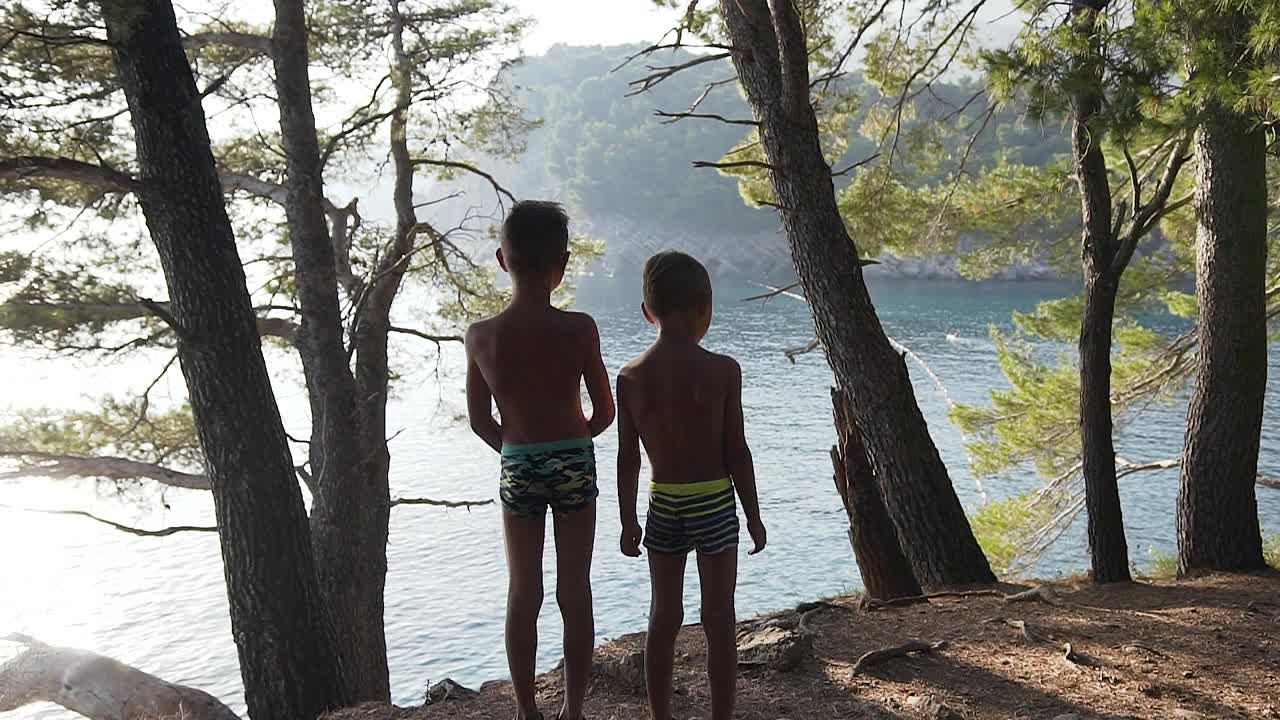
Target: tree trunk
{"points": [[286, 645], [1217, 508], [1108, 551], [349, 512], [885, 572], [930, 523]]}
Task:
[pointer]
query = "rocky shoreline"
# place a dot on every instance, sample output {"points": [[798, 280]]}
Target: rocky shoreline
{"points": [[1204, 648]]}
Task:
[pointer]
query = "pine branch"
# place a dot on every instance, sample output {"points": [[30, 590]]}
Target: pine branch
{"points": [[140, 532], [57, 466], [671, 117], [468, 504], [258, 44], [659, 73], [856, 165], [731, 165], [437, 339], [24, 167], [498, 188]]}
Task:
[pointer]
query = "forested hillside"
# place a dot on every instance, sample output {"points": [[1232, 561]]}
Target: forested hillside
{"points": [[628, 174]]}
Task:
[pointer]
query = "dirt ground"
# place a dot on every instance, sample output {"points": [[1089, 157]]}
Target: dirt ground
{"points": [[1205, 648]]}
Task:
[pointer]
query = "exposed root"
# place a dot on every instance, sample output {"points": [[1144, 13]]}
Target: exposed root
{"points": [[1040, 593], [1140, 646], [909, 648]]}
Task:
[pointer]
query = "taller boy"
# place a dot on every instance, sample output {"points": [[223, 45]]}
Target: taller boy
{"points": [[532, 359]]}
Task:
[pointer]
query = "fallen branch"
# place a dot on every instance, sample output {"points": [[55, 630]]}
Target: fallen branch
{"points": [[910, 648], [97, 686]]}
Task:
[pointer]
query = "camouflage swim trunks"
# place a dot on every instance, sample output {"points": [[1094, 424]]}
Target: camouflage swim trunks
{"points": [[560, 474]]}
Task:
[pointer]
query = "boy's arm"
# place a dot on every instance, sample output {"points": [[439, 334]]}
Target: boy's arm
{"points": [[737, 458], [597, 379], [480, 400], [628, 473]]}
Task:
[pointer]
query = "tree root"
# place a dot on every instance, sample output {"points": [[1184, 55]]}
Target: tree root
{"points": [[1140, 646], [878, 656], [1040, 593]]}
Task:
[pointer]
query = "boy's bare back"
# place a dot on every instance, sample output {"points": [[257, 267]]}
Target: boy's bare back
{"points": [[533, 362], [681, 399]]}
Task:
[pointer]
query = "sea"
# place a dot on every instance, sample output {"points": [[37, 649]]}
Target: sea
{"points": [[160, 604]]}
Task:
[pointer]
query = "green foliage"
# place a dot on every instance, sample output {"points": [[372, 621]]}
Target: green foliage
{"points": [[118, 427], [1160, 566], [1002, 528]]}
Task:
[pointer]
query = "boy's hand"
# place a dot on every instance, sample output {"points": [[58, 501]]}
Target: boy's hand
{"points": [[758, 535], [631, 536]]}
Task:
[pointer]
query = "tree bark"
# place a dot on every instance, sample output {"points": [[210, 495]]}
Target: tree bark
{"points": [[1217, 506], [1108, 550], [98, 687], [349, 514], [286, 645], [885, 572], [928, 519]]}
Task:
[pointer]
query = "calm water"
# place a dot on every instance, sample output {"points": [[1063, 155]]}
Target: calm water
{"points": [[159, 603]]}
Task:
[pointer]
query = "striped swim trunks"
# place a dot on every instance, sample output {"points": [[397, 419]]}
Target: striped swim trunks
{"points": [[688, 516], [559, 474]]}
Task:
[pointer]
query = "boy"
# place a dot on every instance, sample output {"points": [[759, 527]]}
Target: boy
{"points": [[685, 404], [531, 359]]}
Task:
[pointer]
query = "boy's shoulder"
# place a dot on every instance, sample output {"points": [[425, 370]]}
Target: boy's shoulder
{"points": [[479, 330], [720, 363]]}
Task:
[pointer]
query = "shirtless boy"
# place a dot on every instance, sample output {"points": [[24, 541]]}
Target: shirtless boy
{"points": [[532, 359], [685, 404]]}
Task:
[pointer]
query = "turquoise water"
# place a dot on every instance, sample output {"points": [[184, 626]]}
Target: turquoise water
{"points": [[158, 603]]}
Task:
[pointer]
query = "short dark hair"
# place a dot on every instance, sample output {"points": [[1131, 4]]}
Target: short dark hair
{"points": [[675, 282], [536, 233]]}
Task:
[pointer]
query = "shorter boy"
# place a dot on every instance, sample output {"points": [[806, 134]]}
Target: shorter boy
{"points": [[685, 404], [532, 359]]}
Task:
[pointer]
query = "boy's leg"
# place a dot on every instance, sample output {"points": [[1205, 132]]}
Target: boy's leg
{"points": [[718, 576], [524, 537], [666, 615], [575, 534]]}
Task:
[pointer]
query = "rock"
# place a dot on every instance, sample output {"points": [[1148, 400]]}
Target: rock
{"points": [[1068, 716], [930, 707], [775, 648], [625, 670], [1183, 714], [446, 690]]}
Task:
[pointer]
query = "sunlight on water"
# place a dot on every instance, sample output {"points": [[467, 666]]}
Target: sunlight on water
{"points": [[159, 603]]}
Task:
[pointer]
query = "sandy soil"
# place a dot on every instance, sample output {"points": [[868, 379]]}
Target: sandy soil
{"points": [[1205, 648]]}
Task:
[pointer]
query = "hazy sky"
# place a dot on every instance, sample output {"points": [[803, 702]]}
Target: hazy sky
{"points": [[593, 22]]}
